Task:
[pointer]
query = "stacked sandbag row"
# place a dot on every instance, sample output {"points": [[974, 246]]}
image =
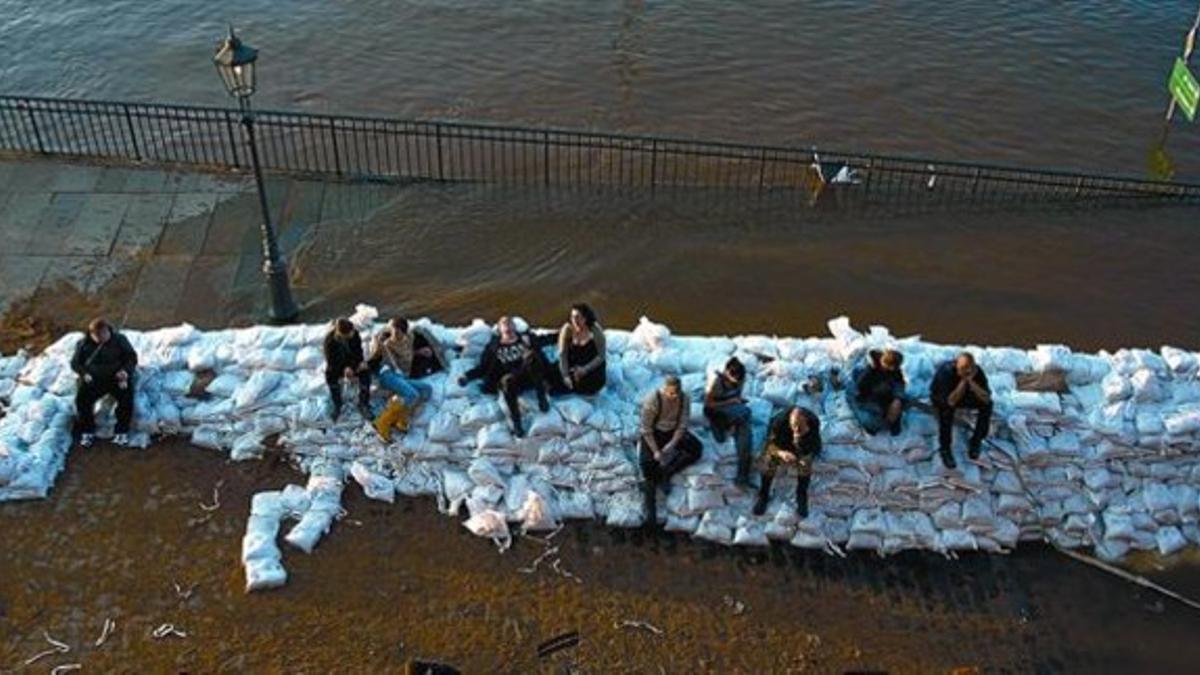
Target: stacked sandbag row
{"points": [[1105, 454]]}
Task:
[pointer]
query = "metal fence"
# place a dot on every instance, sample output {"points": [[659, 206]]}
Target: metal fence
{"points": [[392, 149]]}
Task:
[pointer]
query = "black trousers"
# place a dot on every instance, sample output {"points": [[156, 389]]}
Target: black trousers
{"points": [[686, 453], [530, 375], [334, 381], [90, 392], [423, 366], [945, 415]]}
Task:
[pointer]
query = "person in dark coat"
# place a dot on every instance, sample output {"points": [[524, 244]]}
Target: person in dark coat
{"points": [[512, 362], [106, 365], [877, 393], [960, 384], [793, 440], [344, 361]]}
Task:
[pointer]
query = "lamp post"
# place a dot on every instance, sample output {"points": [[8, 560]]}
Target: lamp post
{"points": [[235, 64]]}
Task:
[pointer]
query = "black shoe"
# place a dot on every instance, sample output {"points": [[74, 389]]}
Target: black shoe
{"points": [[947, 459], [518, 429], [973, 449], [895, 428], [802, 506], [718, 434], [760, 505], [543, 401], [337, 411]]}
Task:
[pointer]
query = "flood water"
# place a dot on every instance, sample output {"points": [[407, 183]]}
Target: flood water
{"points": [[1068, 84]]}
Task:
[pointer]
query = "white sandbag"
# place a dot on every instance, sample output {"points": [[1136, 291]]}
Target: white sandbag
{"points": [[750, 532], [374, 484], [701, 500], [309, 358], [256, 389], [490, 524], [574, 505], [313, 525], [494, 435], [246, 446], [1146, 387], [485, 473], [715, 526], [626, 509], [650, 336], [263, 574], [294, 500], [224, 385], [684, 524], [536, 514], [574, 410], [547, 424], [1170, 541], [481, 414]]}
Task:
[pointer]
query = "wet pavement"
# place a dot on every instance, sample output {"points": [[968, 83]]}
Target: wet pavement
{"points": [[393, 582]]}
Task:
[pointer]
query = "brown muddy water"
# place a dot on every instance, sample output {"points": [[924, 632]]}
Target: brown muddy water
{"points": [[393, 582], [1071, 84]]}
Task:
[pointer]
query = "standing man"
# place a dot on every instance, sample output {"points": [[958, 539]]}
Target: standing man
{"points": [[344, 360], [877, 395], [106, 364], [666, 446], [793, 439], [959, 383], [727, 412]]}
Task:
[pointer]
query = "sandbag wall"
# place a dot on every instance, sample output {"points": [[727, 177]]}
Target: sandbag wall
{"points": [[1112, 463]]}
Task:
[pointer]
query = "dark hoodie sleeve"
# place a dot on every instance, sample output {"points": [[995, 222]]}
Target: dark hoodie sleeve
{"points": [[941, 386], [78, 358], [486, 360], [356, 350], [329, 352], [129, 358]]}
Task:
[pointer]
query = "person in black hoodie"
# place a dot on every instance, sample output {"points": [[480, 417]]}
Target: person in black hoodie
{"points": [[106, 364], [877, 395], [793, 439], [957, 384], [511, 363], [344, 359]]}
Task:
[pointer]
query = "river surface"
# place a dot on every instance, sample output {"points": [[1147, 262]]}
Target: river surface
{"points": [[1069, 84]]}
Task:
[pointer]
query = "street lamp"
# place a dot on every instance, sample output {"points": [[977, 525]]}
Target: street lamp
{"points": [[235, 64]]}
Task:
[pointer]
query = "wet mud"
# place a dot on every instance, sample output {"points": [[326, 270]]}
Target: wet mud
{"points": [[394, 582]]}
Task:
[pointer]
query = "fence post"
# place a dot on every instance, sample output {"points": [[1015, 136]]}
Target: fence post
{"points": [[137, 153], [438, 133], [653, 164], [337, 160], [762, 169], [546, 158], [37, 135], [232, 140]]}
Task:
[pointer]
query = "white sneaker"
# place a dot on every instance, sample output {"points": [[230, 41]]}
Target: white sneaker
{"points": [[121, 440], [87, 440]]}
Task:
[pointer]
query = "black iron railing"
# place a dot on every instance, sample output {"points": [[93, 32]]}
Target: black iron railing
{"points": [[379, 148]]}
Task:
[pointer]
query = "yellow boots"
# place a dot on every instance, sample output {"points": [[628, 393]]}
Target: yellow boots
{"points": [[394, 416]]}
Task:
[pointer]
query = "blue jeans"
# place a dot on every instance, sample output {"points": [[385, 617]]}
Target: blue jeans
{"points": [[410, 391], [735, 418]]}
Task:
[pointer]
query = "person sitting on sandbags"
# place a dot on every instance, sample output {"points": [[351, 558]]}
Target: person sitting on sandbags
{"points": [[512, 362], [958, 384], [877, 392], [581, 352], [727, 412], [793, 440], [106, 364], [344, 361], [666, 447], [400, 355]]}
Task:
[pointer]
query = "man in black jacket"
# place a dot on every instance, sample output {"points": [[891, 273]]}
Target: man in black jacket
{"points": [[877, 397], [511, 363], [344, 359], [960, 383], [793, 439], [106, 364]]}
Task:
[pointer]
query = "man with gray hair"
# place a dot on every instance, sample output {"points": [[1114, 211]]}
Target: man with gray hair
{"points": [[957, 384], [666, 447]]}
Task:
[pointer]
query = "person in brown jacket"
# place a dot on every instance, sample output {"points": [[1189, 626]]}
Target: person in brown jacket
{"points": [[666, 446]]}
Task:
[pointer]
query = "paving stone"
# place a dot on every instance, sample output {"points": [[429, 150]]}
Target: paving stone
{"points": [[20, 275], [34, 176], [204, 295], [78, 178], [145, 180], [52, 232], [187, 226], [235, 225], [96, 228], [19, 219], [157, 294], [142, 225]]}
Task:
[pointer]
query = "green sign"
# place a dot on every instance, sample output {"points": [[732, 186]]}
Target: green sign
{"points": [[1184, 89]]}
